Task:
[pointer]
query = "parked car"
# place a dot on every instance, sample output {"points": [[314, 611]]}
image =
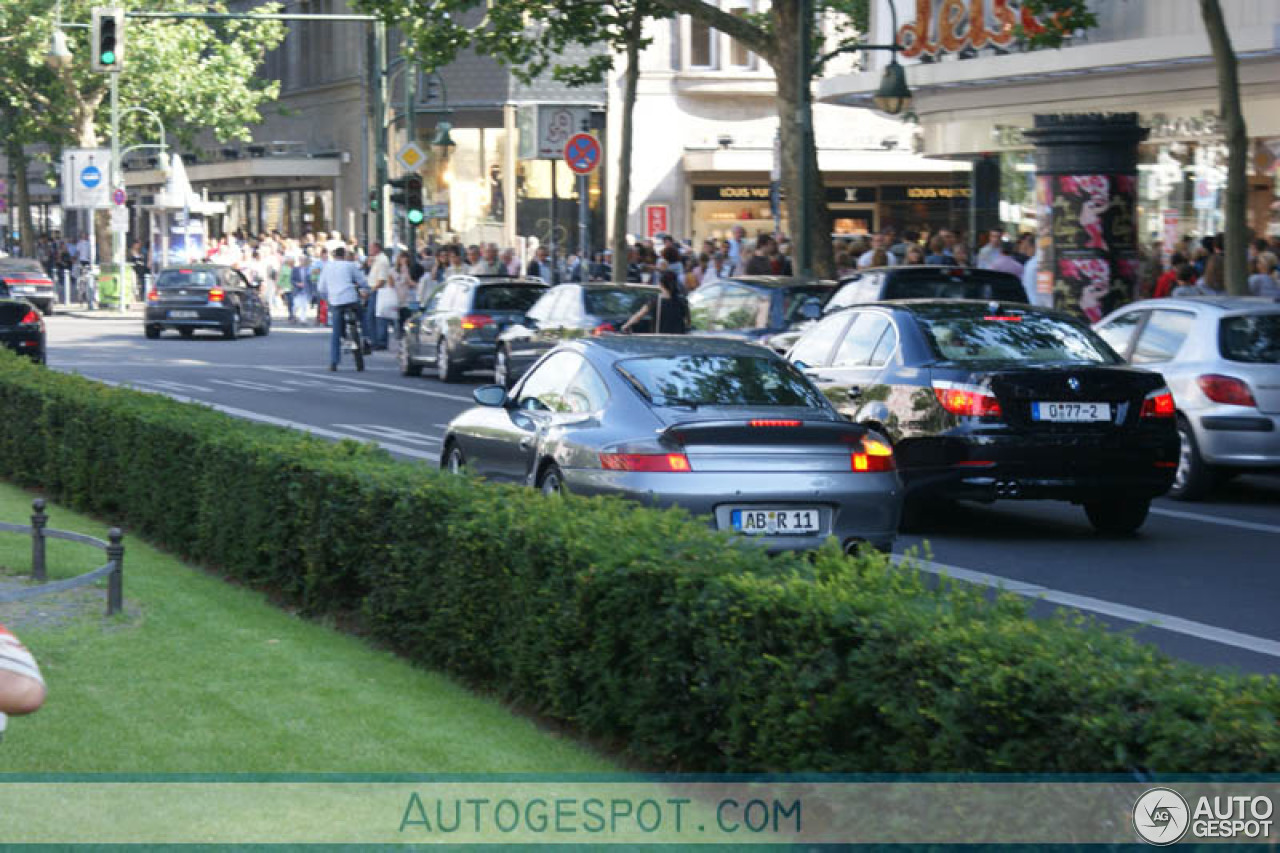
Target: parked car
{"points": [[989, 401], [1221, 358], [25, 278], [205, 296], [21, 326], [926, 282], [565, 313], [457, 330], [763, 309], [724, 428]]}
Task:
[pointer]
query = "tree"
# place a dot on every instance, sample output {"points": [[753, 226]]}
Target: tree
{"points": [[533, 37], [196, 75], [1224, 56]]}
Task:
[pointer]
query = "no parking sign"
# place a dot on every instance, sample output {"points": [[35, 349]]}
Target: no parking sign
{"points": [[582, 153]]}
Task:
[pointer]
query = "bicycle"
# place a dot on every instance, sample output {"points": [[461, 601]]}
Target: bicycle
{"points": [[87, 286], [353, 337]]}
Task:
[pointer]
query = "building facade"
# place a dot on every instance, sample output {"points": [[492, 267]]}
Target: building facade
{"points": [[977, 90], [705, 124]]}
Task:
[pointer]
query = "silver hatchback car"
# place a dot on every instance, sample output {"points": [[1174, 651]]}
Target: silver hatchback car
{"points": [[1221, 359], [726, 429]]}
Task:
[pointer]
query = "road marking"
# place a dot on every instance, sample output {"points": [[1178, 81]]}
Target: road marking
{"points": [[327, 386], [400, 388], [1214, 519], [398, 435], [166, 385], [288, 424], [252, 386], [1161, 621]]}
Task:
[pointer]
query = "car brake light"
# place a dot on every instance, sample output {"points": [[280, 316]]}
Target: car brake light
{"points": [[476, 321], [1003, 318], [1158, 404], [1226, 389], [876, 457], [766, 422], [184, 272], [602, 328], [968, 400], [153, 296], [31, 318], [648, 462], [217, 294]]}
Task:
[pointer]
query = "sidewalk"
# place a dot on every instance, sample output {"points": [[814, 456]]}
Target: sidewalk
{"points": [[79, 309]]}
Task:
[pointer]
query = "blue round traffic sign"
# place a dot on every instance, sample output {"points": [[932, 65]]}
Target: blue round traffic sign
{"points": [[90, 176], [582, 153]]}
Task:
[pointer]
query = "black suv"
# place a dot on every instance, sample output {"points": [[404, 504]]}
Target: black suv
{"points": [[458, 328], [926, 282]]}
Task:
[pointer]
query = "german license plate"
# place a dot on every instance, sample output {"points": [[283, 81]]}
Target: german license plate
{"points": [[1071, 412], [183, 315], [775, 522]]}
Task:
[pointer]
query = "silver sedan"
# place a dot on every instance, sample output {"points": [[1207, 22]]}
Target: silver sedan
{"points": [[725, 429], [1221, 359]]}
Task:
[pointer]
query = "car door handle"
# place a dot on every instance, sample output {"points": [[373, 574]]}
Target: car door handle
{"points": [[526, 443]]}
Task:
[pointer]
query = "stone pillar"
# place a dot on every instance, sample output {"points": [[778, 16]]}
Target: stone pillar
{"points": [[1086, 195]]}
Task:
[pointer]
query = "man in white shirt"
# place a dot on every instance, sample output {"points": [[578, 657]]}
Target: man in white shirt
{"points": [[379, 277], [991, 251], [877, 242], [339, 285]]}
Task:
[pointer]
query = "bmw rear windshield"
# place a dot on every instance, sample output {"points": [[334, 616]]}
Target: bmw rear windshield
{"points": [[967, 333], [719, 380], [187, 278], [503, 297], [961, 284], [1253, 338]]}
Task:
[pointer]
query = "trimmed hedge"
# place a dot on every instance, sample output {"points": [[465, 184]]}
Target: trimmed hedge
{"points": [[633, 625]]}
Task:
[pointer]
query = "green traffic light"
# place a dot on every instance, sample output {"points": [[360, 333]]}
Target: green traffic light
{"points": [[415, 217], [108, 57]]}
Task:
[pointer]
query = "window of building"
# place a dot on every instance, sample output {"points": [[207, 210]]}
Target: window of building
{"points": [[737, 53], [701, 51]]}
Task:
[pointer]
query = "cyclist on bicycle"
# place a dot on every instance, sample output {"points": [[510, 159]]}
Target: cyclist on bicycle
{"points": [[340, 284]]}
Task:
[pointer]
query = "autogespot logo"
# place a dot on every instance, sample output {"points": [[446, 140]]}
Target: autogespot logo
{"points": [[1161, 817]]}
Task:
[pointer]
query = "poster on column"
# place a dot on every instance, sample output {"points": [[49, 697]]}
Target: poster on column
{"points": [[1096, 259]]}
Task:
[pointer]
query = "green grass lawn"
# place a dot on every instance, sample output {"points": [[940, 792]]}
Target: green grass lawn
{"points": [[203, 676]]}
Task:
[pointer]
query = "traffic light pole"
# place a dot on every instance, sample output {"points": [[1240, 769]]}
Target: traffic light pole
{"points": [[117, 182]]}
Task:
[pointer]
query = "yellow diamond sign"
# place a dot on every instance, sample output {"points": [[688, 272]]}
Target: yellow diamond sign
{"points": [[411, 156]]}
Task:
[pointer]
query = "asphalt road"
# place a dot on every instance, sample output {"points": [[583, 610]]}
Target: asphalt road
{"points": [[1201, 580]]}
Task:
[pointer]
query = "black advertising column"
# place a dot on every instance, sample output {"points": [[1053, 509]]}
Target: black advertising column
{"points": [[1086, 195], [984, 199]]}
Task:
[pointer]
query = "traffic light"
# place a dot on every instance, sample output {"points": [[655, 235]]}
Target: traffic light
{"points": [[108, 40], [398, 186], [413, 200], [374, 201]]}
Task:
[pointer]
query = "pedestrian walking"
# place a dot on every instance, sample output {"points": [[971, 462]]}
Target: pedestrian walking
{"points": [[670, 310]]}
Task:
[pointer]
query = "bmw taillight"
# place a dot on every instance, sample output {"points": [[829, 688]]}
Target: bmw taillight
{"points": [[153, 296], [602, 328], [217, 294], [471, 322], [31, 318], [1227, 390], [647, 462], [967, 400], [873, 457], [1158, 404]]}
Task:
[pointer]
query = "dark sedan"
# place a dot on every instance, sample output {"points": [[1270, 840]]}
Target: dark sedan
{"points": [[723, 428], [26, 279], [987, 401], [926, 282], [458, 328], [21, 326], [763, 309], [565, 313], [205, 296]]}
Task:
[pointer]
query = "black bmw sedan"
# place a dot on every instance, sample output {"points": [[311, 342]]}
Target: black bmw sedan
{"points": [[987, 400], [21, 326], [205, 296]]}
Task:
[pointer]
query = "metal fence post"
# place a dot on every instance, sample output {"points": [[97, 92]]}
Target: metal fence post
{"points": [[38, 521], [115, 580]]}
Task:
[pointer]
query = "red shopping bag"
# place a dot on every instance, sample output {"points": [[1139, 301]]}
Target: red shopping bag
{"points": [[322, 313]]}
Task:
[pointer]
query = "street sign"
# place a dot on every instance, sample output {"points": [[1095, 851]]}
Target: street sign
{"points": [[119, 220], [436, 211], [84, 178], [411, 157], [657, 220], [118, 196], [582, 153], [545, 128]]}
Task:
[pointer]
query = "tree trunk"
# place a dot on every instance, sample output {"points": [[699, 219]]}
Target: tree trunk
{"points": [[1236, 248], [622, 202], [22, 188], [793, 101]]}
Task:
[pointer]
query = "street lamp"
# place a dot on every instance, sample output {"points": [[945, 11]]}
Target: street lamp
{"points": [[442, 139], [59, 55], [893, 96]]}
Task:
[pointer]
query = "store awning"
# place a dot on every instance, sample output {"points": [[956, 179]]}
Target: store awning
{"points": [[830, 161]]}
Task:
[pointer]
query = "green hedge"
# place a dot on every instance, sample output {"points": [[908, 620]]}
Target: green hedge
{"points": [[634, 626]]}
